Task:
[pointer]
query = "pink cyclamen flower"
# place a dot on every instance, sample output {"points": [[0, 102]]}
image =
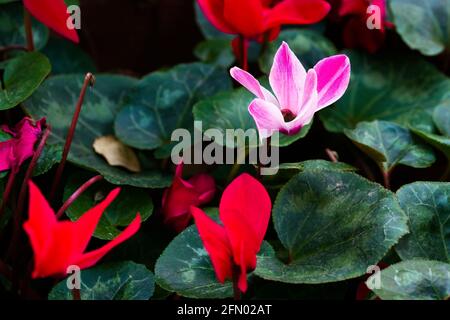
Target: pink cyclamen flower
{"points": [[183, 194], [20, 147], [298, 94]]}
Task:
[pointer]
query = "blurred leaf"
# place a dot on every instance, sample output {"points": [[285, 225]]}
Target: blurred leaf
{"points": [[441, 118], [309, 46], [67, 57], [12, 31], [333, 225], [215, 51], [162, 102], [22, 77], [427, 205], [401, 88], [229, 110], [415, 280], [423, 25], [115, 281], [389, 145], [56, 100], [120, 213], [50, 156]]}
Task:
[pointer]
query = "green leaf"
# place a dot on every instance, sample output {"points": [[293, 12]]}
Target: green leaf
{"points": [[333, 225], [12, 31], [317, 165], [67, 57], [441, 118], [115, 281], [185, 268], [427, 205], [397, 87], [310, 46], [415, 280], [215, 51], [119, 214], [56, 100], [229, 110], [423, 25], [389, 145], [162, 102], [22, 77], [50, 156]]}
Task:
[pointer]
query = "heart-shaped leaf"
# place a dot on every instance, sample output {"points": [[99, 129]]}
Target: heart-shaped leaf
{"points": [[66, 57], [229, 110], [397, 87], [185, 268], [162, 102], [114, 281], [389, 145], [12, 31], [119, 214], [423, 25], [317, 165], [22, 77], [310, 46], [333, 225], [414, 280], [56, 100], [215, 51], [427, 205]]}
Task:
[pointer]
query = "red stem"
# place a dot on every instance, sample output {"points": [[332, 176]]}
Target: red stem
{"points": [[237, 292], [76, 194], [332, 155], [23, 192], [387, 179], [28, 30], [8, 189], [244, 53], [89, 80]]}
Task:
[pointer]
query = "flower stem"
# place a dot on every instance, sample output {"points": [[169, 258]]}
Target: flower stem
{"points": [[237, 292], [8, 189], [89, 80], [28, 30], [387, 179], [332, 155], [76, 294], [76, 194], [23, 192], [244, 53]]}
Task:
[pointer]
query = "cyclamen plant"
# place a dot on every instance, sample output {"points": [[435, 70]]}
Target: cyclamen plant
{"points": [[95, 206]]}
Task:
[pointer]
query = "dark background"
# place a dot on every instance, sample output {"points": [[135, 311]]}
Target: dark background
{"points": [[138, 36]]}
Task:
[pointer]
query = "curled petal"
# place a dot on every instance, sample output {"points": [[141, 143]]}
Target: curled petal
{"points": [[268, 118], [333, 77]]}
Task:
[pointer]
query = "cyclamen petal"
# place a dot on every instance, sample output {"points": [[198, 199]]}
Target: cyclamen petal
{"points": [[58, 245], [234, 245], [252, 84], [52, 13], [268, 118]]}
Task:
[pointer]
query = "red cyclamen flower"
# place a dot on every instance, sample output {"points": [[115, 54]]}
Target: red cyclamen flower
{"points": [[183, 194], [20, 147], [60, 244], [52, 13], [356, 33], [261, 19], [245, 212]]}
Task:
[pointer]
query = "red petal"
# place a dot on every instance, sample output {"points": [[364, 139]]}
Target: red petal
{"points": [[356, 7], [297, 12], [213, 10], [216, 244], [205, 186], [246, 17], [52, 13], [245, 212], [357, 35], [87, 260], [6, 155]]}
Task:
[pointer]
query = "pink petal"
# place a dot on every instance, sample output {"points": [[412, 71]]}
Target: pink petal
{"points": [[333, 77], [252, 85], [6, 155], [268, 117], [286, 78], [216, 244], [309, 102]]}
